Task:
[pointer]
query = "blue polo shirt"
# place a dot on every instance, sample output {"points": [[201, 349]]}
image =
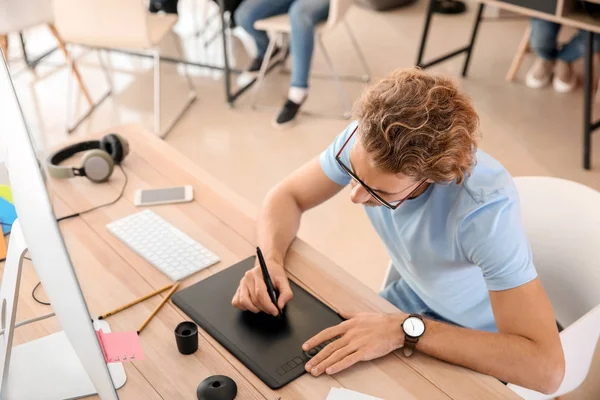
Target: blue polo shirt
{"points": [[453, 243]]}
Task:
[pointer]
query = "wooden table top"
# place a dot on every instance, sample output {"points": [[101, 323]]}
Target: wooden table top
{"points": [[111, 275]]}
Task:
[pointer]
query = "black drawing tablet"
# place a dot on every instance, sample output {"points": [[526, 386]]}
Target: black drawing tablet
{"points": [[270, 347]]}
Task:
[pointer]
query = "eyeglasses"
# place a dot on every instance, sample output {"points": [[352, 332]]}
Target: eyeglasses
{"points": [[391, 205]]}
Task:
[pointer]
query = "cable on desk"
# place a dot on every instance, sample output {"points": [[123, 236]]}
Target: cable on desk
{"points": [[34, 290], [35, 298], [119, 197]]}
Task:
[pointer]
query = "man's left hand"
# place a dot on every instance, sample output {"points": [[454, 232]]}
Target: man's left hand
{"points": [[363, 337]]}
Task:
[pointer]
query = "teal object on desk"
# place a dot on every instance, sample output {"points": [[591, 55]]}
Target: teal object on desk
{"points": [[8, 214]]}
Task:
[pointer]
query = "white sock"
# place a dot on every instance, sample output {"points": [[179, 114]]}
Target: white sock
{"points": [[297, 95]]}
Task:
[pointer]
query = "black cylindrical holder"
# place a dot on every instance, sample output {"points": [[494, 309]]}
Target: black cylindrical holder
{"points": [[186, 335], [217, 387]]}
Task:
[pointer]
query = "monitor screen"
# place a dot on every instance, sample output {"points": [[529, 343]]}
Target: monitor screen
{"points": [[36, 230]]}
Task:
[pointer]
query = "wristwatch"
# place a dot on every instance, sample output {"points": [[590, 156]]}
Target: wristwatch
{"points": [[413, 327]]}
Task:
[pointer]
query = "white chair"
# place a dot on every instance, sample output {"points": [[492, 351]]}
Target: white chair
{"points": [[279, 27], [20, 15], [126, 25], [562, 221]]}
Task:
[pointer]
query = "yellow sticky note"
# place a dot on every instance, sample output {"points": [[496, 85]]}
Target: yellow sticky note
{"points": [[6, 194]]}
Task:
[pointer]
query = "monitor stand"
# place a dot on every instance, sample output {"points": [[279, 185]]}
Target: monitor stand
{"points": [[46, 368]]}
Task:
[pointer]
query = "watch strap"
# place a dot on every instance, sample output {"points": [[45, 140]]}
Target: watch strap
{"points": [[409, 345]]}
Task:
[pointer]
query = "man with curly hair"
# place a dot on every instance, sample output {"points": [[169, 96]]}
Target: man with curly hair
{"points": [[449, 216]]}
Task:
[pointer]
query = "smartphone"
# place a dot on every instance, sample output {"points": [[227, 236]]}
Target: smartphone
{"points": [[150, 197]]}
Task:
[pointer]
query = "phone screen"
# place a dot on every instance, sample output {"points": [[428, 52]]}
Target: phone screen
{"points": [[163, 195]]}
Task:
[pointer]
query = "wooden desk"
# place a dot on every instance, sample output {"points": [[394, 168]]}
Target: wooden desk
{"points": [[110, 275], [560, 11]]}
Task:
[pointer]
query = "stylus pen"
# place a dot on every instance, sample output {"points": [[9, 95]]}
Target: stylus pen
{"points": [[267, 278]]}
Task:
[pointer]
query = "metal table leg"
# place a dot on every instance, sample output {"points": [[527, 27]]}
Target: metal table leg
{"points": [[588, 127], [473, 37], [226, 69], [425, 33], [466, 49], [33, 63]]}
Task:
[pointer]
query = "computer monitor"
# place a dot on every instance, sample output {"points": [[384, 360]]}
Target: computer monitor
{"points": [[37, 228]]}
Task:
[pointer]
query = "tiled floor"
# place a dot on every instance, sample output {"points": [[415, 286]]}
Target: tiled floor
{"points": [[532, 132]]}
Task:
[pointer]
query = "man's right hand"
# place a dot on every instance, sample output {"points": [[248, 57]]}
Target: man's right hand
{"points": [[252, 293]]}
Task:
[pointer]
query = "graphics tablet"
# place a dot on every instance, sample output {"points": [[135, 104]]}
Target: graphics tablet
{"points": [[270, 347]]}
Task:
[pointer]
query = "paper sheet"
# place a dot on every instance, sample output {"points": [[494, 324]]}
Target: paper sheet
{"points": [[345, 394], [121, 346], [6, 194], [8, 215]]}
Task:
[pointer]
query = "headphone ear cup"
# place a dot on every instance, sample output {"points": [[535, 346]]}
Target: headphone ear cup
{"points": [[97, 165], [113, 145], [124, 145]]}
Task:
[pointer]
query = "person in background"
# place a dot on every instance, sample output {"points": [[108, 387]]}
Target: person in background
{"points": [[304, 16], [554, 63]]}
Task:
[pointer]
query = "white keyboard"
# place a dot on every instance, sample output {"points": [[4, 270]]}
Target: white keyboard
{"points": [[165, 247]]}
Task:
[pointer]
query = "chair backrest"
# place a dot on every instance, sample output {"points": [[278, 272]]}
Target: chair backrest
{"points": [[18, 15], [337, 12], [579, 341], [103, 23], [562, 222]]}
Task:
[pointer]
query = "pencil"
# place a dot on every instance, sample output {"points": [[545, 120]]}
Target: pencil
{"points": [[134, 302], [157, 309]]}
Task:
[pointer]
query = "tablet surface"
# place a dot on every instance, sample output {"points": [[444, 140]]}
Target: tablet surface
{"points": [[270, 347]]}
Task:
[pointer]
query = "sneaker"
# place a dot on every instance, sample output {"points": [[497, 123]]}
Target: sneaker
{"points": [[287, 114], [565, 79], [251, 72], [168, 6], [540, 74]]}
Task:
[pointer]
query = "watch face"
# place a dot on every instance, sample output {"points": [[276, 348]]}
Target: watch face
{"points": [[413, 326]]}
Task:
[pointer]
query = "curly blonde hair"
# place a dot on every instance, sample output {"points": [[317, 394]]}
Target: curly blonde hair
{"points": [[418, 125]]}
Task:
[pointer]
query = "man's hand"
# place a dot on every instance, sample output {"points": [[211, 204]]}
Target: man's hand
{"points": [[364, 337], [252, 293]]}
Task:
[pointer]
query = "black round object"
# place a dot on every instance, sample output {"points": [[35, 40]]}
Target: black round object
{"points": [[217, 387], [449, 7], [186, 335]]}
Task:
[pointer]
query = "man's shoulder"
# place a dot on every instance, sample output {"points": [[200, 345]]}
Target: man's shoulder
{"points": [[488, 181], [485, 192]]}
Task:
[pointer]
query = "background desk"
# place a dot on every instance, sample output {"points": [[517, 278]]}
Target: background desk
{"points": [[110, 275], [561, 11]]}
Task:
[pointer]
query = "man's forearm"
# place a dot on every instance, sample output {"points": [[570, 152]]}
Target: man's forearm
{"points": [[278, 224], [510, 358]]}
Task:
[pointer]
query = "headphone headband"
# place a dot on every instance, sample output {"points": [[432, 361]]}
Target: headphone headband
{"points": [[64, 154]]}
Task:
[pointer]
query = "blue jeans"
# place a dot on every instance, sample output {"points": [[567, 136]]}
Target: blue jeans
{"points": [[304, 15], [402, 296], [544, 42]]}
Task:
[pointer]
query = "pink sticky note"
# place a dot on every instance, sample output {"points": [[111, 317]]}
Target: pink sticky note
{"points": [[121, 346]]}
